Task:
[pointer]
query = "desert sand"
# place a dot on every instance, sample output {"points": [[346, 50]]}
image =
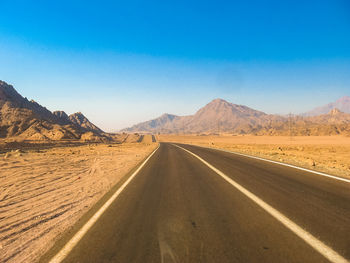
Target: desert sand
{"points": [[43, 192], [330, 154]]}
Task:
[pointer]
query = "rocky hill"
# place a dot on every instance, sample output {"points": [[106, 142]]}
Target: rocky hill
{"points": [[62, 116], [28, 120], [157, 124], [80, 120], [333, 123]]}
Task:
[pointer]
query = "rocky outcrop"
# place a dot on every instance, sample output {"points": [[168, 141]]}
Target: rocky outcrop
{"points": [[80, 120], [28, 120]]}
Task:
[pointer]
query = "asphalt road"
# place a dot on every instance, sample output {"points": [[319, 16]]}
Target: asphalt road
{"points": [[177, 209], [140, 138]]}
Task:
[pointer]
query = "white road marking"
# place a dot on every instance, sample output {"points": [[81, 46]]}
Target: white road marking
{"points": [[62, 254], [280, 163], [318, 245]]}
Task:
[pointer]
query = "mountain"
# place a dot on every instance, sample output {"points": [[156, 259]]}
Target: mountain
{"points": [[154, 125], [9, 96], [342, 104], [217, 116], [80, 120], [62, 116], [221, 116], [28, 120]]}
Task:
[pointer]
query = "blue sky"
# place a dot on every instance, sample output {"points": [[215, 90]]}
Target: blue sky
{"points": [[121, 62]]}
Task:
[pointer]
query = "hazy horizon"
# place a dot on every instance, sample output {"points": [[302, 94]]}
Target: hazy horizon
{"points": [[124, 63]]}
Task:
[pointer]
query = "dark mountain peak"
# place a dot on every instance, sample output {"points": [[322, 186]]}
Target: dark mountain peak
{"points": [[60, 114], [17, 112], [62, 117], [8, 93], [78, 118]]}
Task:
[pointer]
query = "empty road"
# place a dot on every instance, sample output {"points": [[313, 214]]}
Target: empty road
{"points": [[178, 209]]}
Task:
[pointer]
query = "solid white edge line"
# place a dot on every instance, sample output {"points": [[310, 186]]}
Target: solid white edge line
{"points": [[60, 256], [276, 162], [318, 245]]}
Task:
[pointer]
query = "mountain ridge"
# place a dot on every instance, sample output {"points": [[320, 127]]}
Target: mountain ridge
{"points": [[342, 104], [221, 116], [26, 119], [215, 115], [79, 119]]}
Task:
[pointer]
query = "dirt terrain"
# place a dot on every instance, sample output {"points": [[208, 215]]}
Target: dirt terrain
{"points": [[329, 154], [44, 191]]}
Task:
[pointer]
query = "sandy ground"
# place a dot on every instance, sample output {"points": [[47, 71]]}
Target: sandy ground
{"points": [[44, 192], [330, 154]]}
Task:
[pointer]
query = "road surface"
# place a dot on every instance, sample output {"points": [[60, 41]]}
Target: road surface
{"points": [[140, 138], [177, 209]]}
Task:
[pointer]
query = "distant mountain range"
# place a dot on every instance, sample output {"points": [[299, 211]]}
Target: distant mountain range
{"points": [[342, 104], [217, 116], [28, 120], [221, 116]]}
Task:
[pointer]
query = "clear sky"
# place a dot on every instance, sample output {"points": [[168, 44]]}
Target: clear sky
{"points": [[122, 62]]}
